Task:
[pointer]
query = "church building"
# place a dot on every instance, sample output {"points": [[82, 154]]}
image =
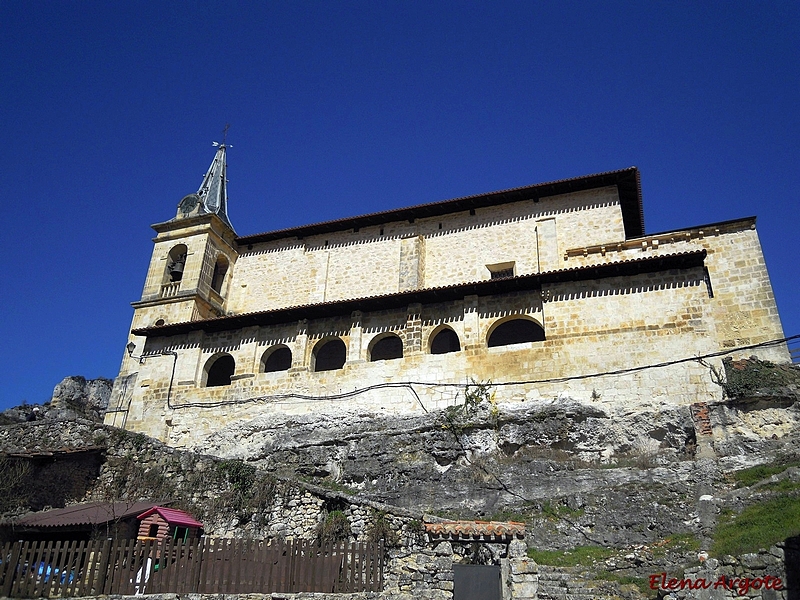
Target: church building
{"points": [[547, 291]]}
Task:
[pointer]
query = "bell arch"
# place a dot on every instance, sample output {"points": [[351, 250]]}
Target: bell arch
{"points": [[176, 263], [220, 270]]}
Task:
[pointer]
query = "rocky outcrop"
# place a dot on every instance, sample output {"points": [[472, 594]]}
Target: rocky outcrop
{"points": [[73, 397], [78, 397], [577, 473]]}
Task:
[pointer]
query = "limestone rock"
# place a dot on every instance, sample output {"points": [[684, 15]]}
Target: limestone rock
{"points": [[84, 398]]}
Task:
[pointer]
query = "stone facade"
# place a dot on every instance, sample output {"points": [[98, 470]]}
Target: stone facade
{"points": [[569, 260]]}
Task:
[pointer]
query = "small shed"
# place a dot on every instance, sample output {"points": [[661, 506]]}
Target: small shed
{"points": [[77, 522], [159, 523]]}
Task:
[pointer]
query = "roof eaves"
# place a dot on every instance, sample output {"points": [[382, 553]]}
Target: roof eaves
{"points": [[627, 180], [93, 513], [744, 221], [439, 294]]}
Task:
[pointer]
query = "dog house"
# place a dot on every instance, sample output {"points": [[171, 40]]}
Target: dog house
{"points": [[159, 523]]}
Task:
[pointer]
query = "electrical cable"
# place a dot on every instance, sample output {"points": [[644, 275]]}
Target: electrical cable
{"points": [[409, 385]]}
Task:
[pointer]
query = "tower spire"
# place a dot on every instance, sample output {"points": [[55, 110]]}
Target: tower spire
{"points": [[213, 192]]}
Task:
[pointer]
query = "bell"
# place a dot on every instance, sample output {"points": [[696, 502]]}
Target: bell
{"points": [[176, 271]]}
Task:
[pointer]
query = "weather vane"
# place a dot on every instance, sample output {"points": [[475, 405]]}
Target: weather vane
{"points": [[224, 137]]}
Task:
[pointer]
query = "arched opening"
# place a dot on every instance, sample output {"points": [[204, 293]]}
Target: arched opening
{"points": [[329, 355], [387, 348], [220, 371], [515, 331], [220, 268], [176, 262], [277, 359], [445, 341]]}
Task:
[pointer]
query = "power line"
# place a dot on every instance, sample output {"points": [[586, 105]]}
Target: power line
{"points": [[409, 385]]}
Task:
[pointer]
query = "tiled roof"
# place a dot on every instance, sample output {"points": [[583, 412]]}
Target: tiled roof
{"points": [[457, 291], [475, 529], [626, 180], [91, 513], [173, 516]]}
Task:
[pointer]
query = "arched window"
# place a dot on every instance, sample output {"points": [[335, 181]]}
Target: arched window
{"points": [[220, 371], [445, 341], [515, 331], [387, 348], [329, 355], [176, 261], [277, 359], [220, 268]]}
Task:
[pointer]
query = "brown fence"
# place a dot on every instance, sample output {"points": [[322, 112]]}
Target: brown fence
{"points": [[212, 565]]}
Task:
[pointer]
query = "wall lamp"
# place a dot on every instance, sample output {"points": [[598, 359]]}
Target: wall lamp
{"points": [[131, 346]]}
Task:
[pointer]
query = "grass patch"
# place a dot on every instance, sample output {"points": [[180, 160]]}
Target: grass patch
{"points": [[748, 477], [758, 526], [640, 582], [580, 556], [555, 511], [337, 487], [329, 484], [784, 485], [552, 511], [680, 542]]}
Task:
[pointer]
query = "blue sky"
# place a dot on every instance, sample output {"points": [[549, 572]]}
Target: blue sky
{"points": [[342, 108]]}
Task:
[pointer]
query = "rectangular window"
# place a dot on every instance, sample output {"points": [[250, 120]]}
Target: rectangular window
{"points": [[501, 270], [503, 273]]}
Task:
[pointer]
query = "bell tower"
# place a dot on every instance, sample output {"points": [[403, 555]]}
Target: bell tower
{"points": [[193, 258]]}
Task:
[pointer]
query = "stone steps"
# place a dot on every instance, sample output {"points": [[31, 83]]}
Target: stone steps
{"points": [[571, 584]]}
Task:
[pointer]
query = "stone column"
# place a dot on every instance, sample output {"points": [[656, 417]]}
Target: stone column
{"points": [[354, 350], [299, 358], [413, 330], [472, 329], [547, 243], [412, 258]]}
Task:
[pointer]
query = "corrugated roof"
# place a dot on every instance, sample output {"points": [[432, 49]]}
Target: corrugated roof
{"points": [[476, 529], [53, 453], [488, 287], [91, 513], [173, 516]]}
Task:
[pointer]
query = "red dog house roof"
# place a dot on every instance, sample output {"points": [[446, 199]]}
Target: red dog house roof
{"points": [[173, 516]]}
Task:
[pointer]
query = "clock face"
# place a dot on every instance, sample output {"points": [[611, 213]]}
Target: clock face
{"points": [[188, 204]]}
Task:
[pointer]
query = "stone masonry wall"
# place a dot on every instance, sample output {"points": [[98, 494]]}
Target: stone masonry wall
{"points": [[592, 327], [454, 248]]}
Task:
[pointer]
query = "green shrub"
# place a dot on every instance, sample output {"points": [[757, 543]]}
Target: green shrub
{"points": [[334, 528], [381, 529]]}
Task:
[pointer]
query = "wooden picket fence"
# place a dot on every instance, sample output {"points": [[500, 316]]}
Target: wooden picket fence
{"points": [[211, 565]]}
